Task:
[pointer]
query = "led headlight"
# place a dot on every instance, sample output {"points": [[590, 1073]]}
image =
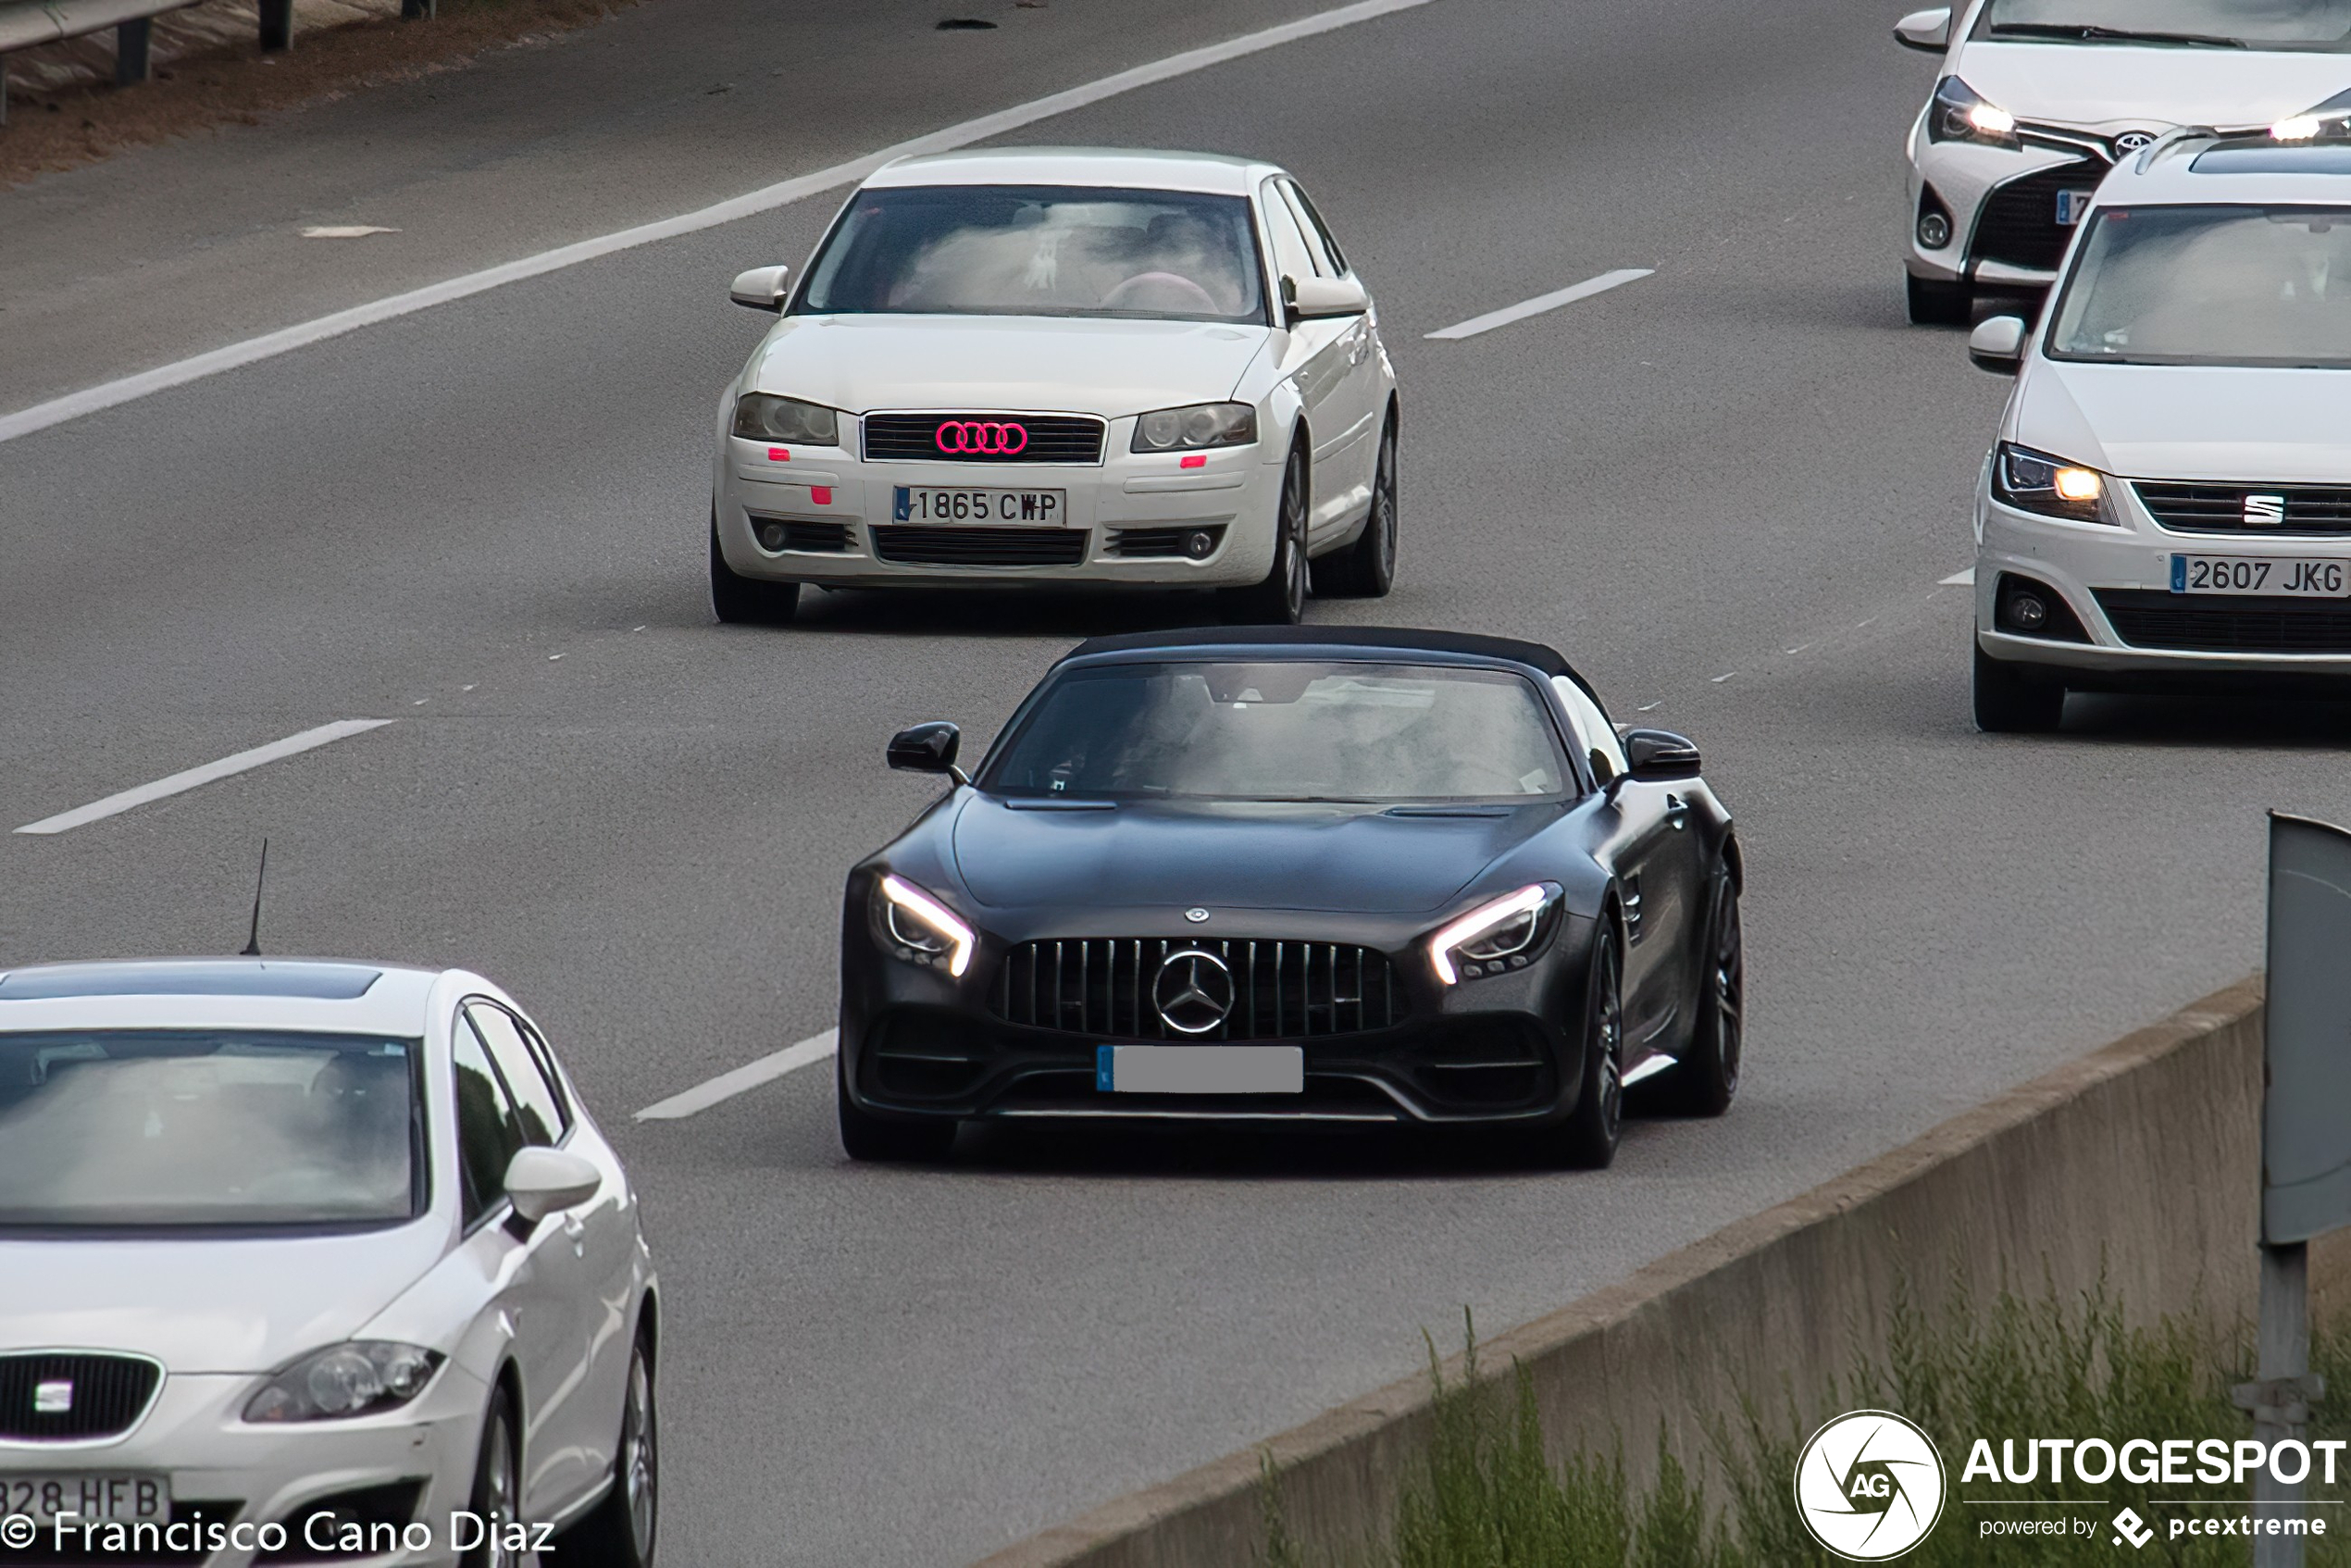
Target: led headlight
{"points": [[766, 416], [364, 1378], [1502, 933], [1962, 114], [2331, 117], [1188, 429], [917, 921], [2034, 481]]}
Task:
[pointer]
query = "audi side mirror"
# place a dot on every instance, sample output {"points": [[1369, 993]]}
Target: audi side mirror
{"points": [[1997, 344], [762, 288], [1930, 31], [928, 748], [1659, 756], [1311, 299]]}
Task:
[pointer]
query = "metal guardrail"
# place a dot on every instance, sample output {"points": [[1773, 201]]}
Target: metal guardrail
{"points": [[25, 23]]}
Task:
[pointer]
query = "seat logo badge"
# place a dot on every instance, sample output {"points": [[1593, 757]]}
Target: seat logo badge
{"points": [[1196, 914], [1193, 992], [53, 1398], [2262, 510], [2133, 141], [974, 438]]}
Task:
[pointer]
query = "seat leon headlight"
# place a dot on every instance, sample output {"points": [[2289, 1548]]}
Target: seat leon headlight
{"points": [[914, 920], [1502, 933], [766, 416], [363, 1377], [2034, 481], [1962, 114], [1189, 429]]}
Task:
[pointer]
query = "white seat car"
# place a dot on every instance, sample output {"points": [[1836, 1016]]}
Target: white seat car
{"points": [[2039, 98], [1066, 368], [305, 1262], [2170, 502]]}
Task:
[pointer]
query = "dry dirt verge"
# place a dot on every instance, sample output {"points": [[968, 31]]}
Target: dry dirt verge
{"points": [[2135, 1166]]}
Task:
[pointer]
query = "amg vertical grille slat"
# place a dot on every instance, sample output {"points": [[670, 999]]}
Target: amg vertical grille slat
{"points": [[1281, 990], [108, 1395]]}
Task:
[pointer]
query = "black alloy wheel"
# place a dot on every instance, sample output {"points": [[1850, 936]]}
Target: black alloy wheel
{"points": [[1280, 600], [624, 1529], [2008, 702], [1366, 569], [496, 1498], [1705, 1081], [737, 600], [1588, 1140]]}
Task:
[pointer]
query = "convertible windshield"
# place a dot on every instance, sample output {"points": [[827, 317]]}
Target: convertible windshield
{"points": [[182, 1127], [1007, 249], [2310, 25], [1285, 731], [2210, 285]]}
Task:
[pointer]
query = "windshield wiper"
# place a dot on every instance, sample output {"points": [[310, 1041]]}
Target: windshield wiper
{"points": [[2091, 34]]}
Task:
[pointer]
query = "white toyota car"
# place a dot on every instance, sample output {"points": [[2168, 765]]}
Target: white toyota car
{"points": [[2170, 503], [305, 1262], [2039, 98], [1064, 367]]}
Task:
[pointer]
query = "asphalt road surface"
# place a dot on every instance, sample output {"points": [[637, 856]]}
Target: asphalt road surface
{"points": [[1730, 489]]}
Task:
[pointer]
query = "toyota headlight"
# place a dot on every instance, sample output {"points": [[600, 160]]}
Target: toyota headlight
{"points": [[1188, 429], [2034, 481], [1500, 933], [2332, 118], [364, 1378], [924, 929], [766, 416], [1962, 114]]}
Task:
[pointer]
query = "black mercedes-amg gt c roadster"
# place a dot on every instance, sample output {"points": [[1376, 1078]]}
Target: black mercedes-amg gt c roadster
{"points": [[1311, 874]]}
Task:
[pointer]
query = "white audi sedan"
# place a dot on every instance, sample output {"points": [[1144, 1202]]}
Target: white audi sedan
{"points": [[1062, 367], [305, 1261], [2170, 502], [2038, 98]]}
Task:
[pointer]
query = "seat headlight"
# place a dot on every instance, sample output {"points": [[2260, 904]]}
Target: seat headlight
{"points": [[1962, 114], [766, 416], [363, 1377], [1502, 933], [914, 920], [2034, 481], [1188, 429]]}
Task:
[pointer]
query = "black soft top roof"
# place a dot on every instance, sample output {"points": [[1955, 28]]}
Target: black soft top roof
{"points": [[1343, 641]]}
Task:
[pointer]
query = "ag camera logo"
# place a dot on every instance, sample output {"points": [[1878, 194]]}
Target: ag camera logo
{"points": [[1868, 1486]]}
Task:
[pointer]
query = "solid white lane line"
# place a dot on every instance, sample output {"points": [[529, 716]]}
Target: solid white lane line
{"points": [[1526, 308], [178, 783], [1959, 580], [726, 1085], [73, 406]]}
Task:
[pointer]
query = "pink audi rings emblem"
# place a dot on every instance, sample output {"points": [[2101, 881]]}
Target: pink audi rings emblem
{"points": [[975, 438]]}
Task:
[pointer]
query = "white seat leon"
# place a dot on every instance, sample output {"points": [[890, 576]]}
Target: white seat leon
{"points": [[2169, 504], [1062, 367], [307, 1262]]}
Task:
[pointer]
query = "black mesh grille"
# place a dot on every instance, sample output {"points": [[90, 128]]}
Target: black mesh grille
{"points": [[1043, 438], [980, 546], [1281, 991], [1176, 541], [104, 1395], [2219, 508], [831, 539], [2216, 624], [2018, 223]]}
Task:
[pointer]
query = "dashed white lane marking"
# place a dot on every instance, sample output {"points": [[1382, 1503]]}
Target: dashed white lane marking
{"points": [[345, 231], [1959, 580], [1725, 676], [1542, 302], [726, 1085], [73, 406], [180, 783]]}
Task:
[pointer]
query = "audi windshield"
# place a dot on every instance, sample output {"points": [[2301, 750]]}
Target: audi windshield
{"points": [[2210, 285], [2322, 26], [1285, 731], [145, 1129], [1005, 250]]}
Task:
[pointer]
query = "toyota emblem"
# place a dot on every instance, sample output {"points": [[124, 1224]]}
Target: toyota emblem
{"points": [[2133, 141], [1193, 992], [981, 438]]}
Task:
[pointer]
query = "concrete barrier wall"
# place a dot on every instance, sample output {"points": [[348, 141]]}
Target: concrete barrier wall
{"points": [[2135, 1166]]}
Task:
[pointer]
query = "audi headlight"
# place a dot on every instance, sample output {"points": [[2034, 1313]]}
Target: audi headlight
{"points": [[364, 1378], [1962, 114], [1500, 933], [1188, 429], [766, 416], [2034, 481], [922, 925]]}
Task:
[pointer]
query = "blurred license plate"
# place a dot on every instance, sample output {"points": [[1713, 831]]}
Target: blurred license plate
{"points": [[1200, 1069], [2267, 575], [2071, 205], [127, 1498], [939, 504]]}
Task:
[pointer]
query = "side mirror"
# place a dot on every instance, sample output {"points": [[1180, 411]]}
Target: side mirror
{"points": [[1930, 31], [762, 288], [1658, 756], [928, 748], [1309, 299], [1997, 344], [547, 1181]]}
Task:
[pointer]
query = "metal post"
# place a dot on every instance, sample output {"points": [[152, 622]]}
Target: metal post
{"points": [[277, 25], [131, 39], [2281, 1401]]}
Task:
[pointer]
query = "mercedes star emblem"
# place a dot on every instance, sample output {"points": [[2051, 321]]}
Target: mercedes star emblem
{"points": [[1193, 992], [1196, 914]]}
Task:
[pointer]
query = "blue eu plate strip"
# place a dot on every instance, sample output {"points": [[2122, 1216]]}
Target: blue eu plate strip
{"points": [[901, 505], [2178, 574], [1102, 1073]]}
